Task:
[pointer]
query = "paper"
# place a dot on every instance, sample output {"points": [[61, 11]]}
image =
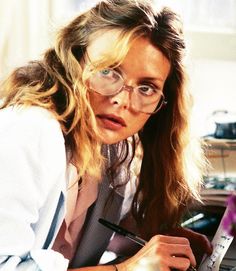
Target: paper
{"points": [[220, 243]]}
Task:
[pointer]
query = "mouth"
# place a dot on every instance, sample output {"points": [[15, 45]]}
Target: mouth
{"points": [[111, 122]]}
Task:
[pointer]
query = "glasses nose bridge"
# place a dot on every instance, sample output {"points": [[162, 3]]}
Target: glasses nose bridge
{"points": [[124, 98], [127, 87], [127, 84]]}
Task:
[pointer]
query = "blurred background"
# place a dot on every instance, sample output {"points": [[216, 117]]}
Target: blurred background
{"points": [[28, 27]]}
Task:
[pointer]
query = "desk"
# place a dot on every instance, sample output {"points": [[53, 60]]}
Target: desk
{"points": [[221, 154]]}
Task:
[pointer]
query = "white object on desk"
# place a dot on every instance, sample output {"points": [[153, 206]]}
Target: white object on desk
{"points": [[220, 243]]}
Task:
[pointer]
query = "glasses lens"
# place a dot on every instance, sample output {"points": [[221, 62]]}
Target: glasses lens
{"points": [[147, 103], [106, 82]]}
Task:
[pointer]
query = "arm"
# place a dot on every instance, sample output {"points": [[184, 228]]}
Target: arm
{"points": [[28, 173]]}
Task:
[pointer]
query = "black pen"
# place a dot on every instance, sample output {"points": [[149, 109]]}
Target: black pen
{"points": [[122, 231]]}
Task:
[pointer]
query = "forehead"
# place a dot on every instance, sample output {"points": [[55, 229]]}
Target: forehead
{"points": [[139, 58], [102, 44], [145, 60]]}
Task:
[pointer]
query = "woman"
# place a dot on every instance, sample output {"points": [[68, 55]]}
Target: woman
{"points": [[69, 127]]}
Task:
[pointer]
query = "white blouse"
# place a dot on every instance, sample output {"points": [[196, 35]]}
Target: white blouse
{"points": [[32, 187]]}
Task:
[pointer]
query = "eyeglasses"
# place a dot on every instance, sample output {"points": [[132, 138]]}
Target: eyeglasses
{"points": [[145, 98]]}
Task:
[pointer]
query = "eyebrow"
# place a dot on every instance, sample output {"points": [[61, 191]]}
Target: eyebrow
{"points": [[144, 78], [148, 78]]}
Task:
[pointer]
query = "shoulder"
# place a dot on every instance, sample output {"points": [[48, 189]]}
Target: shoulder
{"points": [[25, 115], [28, 122], [32, 143], [33, 131]]}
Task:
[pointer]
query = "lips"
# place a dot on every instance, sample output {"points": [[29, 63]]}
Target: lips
{"points": [[111, 121]]}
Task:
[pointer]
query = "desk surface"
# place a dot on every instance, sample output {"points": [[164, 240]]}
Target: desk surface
{"points": [[215, 143]]}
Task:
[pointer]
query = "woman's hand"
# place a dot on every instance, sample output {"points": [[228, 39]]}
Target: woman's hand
{"points": [[167, 251], [198, 242]]}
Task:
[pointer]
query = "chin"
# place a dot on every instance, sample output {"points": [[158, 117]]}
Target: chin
{"points": [[109, 141], [109, 137]]}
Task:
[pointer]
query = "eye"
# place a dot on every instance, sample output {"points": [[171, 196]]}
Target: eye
{"points": [[147, 90], [109, 74], [105, 72]]}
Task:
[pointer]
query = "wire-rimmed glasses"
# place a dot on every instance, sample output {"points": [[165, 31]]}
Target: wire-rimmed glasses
{"points": [[145, 98]]}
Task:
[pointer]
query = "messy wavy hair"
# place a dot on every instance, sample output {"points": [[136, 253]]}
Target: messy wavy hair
{"points": [[172, 162]]}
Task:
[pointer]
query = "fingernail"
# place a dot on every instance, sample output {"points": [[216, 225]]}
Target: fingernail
{"points": [[191, 268]]}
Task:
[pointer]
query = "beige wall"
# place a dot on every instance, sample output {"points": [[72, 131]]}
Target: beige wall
{"points": [[27, 28], [212, 69]]}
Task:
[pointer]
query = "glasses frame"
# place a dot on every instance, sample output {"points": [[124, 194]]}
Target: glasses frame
{"points": [[162, 102]]}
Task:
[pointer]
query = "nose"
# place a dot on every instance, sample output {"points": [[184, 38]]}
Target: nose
{"points": [[123, 98]]}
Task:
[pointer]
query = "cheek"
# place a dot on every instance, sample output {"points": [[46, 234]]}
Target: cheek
{"points": [[96, 101], [140, 122]]}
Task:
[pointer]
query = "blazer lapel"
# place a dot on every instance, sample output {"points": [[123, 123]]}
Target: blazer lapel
{"points": [[95, 237]]}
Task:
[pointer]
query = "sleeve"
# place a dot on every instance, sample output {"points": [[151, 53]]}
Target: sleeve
{"points": [[31, 162]]}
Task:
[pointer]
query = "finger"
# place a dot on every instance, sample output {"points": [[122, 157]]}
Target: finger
{"points": [[176, 250], [172, 246], [169, 239], [204, 242], [180, 263], [183, 251], [197, 239], [164, 268], [165, 249], [174, 263]]}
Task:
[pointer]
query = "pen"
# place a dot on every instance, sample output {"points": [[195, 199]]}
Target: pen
{"points": [[122, 231], [128, 235]]}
